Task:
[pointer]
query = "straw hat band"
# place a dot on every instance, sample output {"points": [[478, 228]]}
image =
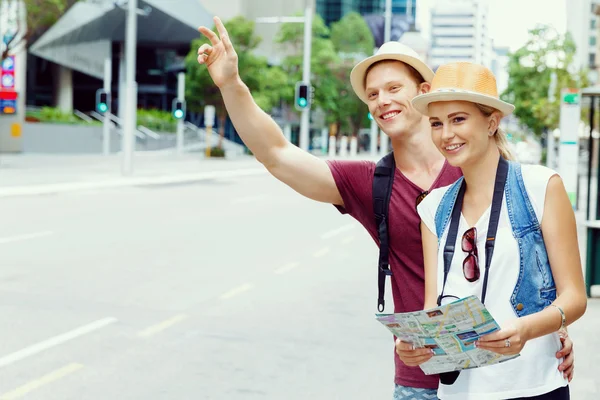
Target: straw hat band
{"points": [[464, 76], [463, 81]]}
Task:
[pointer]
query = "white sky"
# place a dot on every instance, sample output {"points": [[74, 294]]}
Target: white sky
{"points": [[510, 20]]}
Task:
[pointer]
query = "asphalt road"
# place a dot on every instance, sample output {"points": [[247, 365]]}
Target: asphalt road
{"points": [[223, 289]]}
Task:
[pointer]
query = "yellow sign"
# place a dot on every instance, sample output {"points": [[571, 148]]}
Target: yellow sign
{"points": [[15, 130]]}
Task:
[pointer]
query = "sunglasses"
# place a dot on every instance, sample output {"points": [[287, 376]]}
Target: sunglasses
{"points": [[420, 198], [471, 262]]}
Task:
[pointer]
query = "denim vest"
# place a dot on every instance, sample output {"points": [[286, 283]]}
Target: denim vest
{"points": [[535, 288]]}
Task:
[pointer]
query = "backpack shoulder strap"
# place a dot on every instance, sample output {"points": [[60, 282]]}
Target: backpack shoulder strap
{"points": [[383, 181]]}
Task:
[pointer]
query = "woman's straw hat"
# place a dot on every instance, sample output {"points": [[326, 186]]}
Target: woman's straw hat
{"points": [[463, 81]]}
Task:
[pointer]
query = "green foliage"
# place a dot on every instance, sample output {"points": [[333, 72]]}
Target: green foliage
{"points": [[323, 60], [530, 68], [217, 152], [157, 120], [352, 39], [351, 36], [55, 116], [41, 15]]}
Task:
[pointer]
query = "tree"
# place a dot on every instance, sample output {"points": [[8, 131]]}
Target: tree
{"points": [[40, 16], [264, 82], [530, 69], [353, 41], [323, 60]]}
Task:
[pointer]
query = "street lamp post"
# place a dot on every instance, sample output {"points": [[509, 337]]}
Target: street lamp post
{"points": [[307, 20], [128, 144], [383, 138], [387, 36]]}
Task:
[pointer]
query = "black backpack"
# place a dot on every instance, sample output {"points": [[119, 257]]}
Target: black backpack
{"points": [[383, 181]]}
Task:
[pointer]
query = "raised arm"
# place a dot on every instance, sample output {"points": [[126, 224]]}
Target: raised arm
{"points": [[303, 172]]}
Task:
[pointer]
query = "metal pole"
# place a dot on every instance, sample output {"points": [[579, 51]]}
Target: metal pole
{"points": [[131, 98], [373, 136], [550, 153], [387, 33], [305, 118], [590, 153], [106, 122], [1, 27], [181, 97]]}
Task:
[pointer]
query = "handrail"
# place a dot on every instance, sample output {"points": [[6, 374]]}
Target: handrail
{"points": [[82, 116], [115, 119], [148, 132]]}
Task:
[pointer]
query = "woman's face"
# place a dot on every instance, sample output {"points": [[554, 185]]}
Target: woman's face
{"points": [[461, 131]]}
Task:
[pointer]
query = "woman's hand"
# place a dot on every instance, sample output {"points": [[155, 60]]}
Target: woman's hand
{"points": [[411, 356], [507, 341]]}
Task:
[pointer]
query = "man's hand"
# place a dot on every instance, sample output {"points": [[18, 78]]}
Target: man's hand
{"points": [[567, 367], [411, 356], [220, 58]]}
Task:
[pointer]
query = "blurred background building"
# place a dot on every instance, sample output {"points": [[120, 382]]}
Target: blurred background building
{"points": [[459, 32], [582, 24]]}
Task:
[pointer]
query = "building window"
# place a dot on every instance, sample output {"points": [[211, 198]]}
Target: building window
{"points": [[592, 60], [593, 24], [592, 40]]}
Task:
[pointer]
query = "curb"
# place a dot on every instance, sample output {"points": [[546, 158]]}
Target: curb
{"points": [[54, 188]]}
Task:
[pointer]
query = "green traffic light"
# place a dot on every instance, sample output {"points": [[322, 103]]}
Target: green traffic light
{"points": [[302, 102], [103, 107], [178, 114]]}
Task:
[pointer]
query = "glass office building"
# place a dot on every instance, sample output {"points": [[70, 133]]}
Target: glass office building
{"points": [[334, 10]]}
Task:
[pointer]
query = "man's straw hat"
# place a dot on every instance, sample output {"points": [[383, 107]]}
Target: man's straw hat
{"points": [[463, 81], [388, 51]]}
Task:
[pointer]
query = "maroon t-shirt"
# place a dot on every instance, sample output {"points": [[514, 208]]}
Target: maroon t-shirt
{"points": [[354, 180]]}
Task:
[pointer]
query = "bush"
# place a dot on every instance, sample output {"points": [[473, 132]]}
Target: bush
{"points": [[54, 115], [217, 152], [157, 120]]}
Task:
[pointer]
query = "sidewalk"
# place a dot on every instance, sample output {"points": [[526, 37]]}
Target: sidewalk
{"points": [[29, 174], [22, 174]]}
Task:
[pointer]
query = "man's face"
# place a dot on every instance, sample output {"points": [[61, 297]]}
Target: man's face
{"points": [[390, 87]]}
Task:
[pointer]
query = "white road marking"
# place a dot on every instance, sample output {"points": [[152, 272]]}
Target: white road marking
{"points": [[248, 199], [348, 239], [43, 381], [235, 291], [162, 326], [335, 232], [55, 341], [287, 268], [27, 236], [321, 252]]}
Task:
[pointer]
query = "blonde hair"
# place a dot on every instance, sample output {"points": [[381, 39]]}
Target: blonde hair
{"points": [[499, 135]]}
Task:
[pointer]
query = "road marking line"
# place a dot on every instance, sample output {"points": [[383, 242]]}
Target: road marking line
{"points": [[162, 326], [247, 199], [287, 268], [235, 291], [348, 239], [44, 380], [55, 341], [335, 232], [321, 252], [27, 236]]}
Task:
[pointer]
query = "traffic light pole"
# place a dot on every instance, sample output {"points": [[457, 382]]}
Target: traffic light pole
{"points": [[128, 143], [180, 121], [106, 122], [305, 118]]}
